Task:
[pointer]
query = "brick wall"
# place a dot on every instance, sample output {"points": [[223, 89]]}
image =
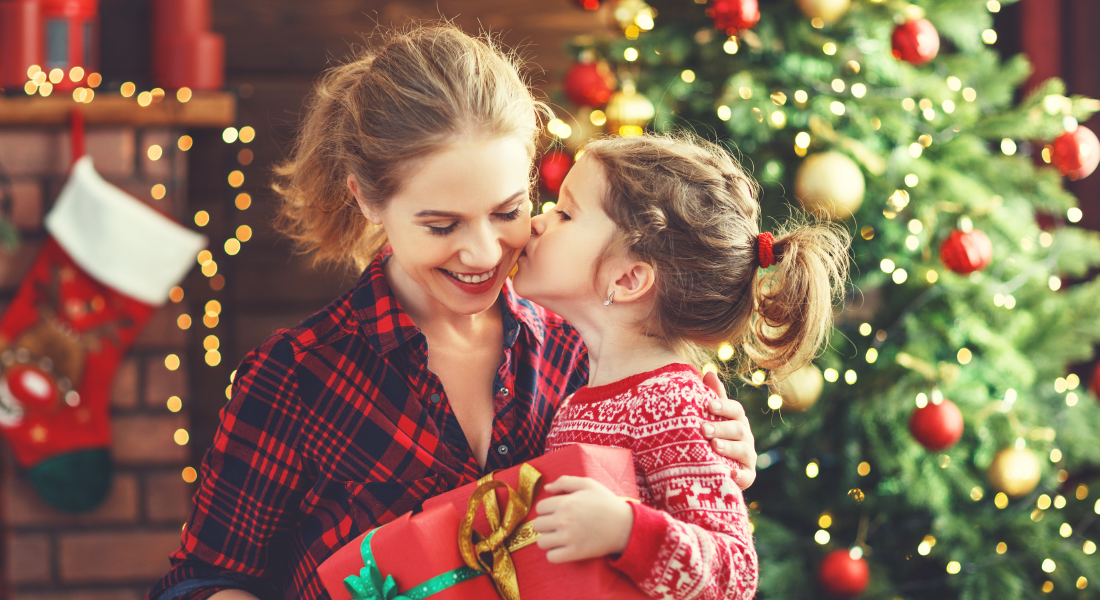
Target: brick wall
{"points": [[117, 551]]}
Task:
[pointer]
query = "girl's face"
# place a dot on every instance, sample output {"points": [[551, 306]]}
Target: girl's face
{"points": [[557, 268], [459, 223]]}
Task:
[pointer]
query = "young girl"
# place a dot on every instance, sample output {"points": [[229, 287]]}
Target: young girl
{"points": [[653, 253]]}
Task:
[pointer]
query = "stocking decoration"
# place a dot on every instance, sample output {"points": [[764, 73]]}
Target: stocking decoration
{"points": [[109, 262]]}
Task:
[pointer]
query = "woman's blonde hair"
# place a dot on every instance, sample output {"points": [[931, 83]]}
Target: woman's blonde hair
{"points": [[684, 206], [398, 100]]}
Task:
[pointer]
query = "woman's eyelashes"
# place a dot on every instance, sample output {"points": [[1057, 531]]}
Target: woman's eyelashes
{"points": [[442, 230], [564, 216], [508, 216]]}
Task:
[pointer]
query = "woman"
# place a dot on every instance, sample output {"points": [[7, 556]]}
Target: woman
{"points": [[414, 163]]}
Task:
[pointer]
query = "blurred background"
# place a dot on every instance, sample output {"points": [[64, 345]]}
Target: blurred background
{"points": [[171, 385]]}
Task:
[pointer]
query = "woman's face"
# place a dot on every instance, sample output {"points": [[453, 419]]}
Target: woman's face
{"points": [[557, 268], [459, 223]]}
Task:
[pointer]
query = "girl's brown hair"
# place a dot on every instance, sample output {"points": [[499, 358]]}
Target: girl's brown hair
{"points": [[684, 206], [372, 118]]}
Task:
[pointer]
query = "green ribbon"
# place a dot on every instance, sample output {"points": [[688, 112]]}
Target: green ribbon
{"points": [[370, 585]]}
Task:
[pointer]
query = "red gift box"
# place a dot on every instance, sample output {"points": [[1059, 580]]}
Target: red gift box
{"points": [[414, 549]]}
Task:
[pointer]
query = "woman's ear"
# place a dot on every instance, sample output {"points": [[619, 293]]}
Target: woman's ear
{"points": [[368, 211], [632, 280]]}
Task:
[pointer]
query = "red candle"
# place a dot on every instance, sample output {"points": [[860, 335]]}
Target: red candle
{"points": [[195, 61], [20, 41], [71, 39], [185, 52]]}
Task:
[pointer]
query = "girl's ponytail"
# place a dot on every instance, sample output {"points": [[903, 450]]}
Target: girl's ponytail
{"points": [[793, 304]]}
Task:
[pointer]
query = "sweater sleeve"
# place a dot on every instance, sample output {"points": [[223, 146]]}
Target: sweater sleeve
{"points": [[696, 542]]}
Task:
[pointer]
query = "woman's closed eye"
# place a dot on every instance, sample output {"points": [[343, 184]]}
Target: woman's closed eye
{"points": [[564, 216], [510, 216], [442, 230]]}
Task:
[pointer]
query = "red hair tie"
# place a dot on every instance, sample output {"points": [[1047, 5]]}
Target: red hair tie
{"points": [[764, 249]]}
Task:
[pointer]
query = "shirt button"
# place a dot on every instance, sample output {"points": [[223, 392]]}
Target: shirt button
{"points": [[435, 398], [503, 391], [502, 449]]}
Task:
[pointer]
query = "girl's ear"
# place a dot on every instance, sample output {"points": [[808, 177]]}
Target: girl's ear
{"points": [[631, 281], [368, 211]]}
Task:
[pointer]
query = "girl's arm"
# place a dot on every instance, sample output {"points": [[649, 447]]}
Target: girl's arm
{"points": [[695, 543], [252, 482]]}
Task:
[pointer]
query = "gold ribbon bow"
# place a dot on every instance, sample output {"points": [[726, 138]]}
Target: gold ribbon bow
{"points": [[492, 555]]}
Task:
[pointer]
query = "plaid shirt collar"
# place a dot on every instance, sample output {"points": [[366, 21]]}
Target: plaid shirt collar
{"points": [[388, 326]]}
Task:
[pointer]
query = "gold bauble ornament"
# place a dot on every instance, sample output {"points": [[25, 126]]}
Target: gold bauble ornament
{"points": [[829, 184], [826, 10], [628, 112], [1014, 472], [801, 389]]}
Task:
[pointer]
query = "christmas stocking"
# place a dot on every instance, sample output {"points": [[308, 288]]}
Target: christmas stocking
{"points": [[110, 261]]}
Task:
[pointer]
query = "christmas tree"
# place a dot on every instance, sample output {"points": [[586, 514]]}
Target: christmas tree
{"points": [[941, 445]]}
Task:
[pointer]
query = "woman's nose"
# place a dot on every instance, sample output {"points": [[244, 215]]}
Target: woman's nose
{"points": [[483, 248]]}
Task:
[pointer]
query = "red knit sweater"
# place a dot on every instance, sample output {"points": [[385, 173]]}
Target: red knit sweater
{"points": [[691, 536]]}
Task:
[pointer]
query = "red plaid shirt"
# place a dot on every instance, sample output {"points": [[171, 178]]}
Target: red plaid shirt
{"points": [[338, 426]]}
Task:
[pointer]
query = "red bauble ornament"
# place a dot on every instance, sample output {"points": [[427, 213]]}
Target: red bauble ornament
{"points": [[843, 576], [937, 426], [915, 41], [552, 170], [732, 16], [1076, 153], [588, 4], [588, 84], [966, 252]]}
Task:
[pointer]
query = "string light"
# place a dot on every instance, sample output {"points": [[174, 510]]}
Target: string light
{"points": [[243, 201], [184, 322], [989, 36], [831, 375], [829, 48], [175, 294], [172, 362], [229, 135], [183, 94], [185, 142], [850, 377], [181, 437], [190, 475], [976, 493], [175, 404], [964, 356], [812, 470], [202, 218], [1002, 547], [863, 469], [236, 178]]}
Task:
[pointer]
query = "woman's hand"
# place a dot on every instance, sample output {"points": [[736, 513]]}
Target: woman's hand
{"points": [[586, 520], [731, 438]]}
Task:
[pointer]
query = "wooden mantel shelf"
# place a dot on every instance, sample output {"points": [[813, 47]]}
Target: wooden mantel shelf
{"points": [[210, 109]]}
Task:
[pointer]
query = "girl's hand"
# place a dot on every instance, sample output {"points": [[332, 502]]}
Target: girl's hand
{"points": [[586, 520], [731, 438]]}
